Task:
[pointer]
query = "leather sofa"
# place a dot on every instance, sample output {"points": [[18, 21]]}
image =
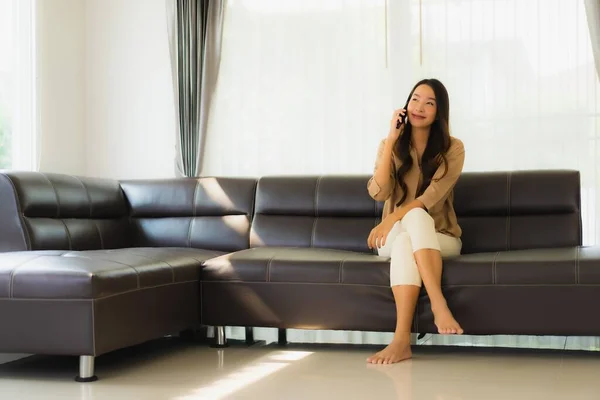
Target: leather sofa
{"points": [[89, 266]]}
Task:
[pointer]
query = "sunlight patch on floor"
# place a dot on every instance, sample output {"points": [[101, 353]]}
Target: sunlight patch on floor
{"points": [[245, 376]]}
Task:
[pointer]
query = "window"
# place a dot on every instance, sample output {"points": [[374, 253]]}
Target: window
{"points": [[524, 90], [299, 81], [17, 85]]}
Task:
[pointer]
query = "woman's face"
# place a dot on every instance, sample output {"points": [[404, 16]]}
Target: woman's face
{"points": [[422, 107]]}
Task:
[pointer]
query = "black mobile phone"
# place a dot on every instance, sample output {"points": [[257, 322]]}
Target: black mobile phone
{"points": [[402, 120]]}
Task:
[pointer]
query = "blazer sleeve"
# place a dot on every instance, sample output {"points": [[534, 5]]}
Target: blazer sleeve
{"points": [[377, 190]]}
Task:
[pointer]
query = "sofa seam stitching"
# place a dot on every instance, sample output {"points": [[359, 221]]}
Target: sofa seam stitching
{"points": [[494, 269], [12, 275], [104, 297], [169, 264], [68, 233], [115, 262], [268, 278], [55, 195], [87, 193], [341, 277]]}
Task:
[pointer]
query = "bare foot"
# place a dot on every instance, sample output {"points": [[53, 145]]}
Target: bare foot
{"points": [[445, 322], [398, 350]]}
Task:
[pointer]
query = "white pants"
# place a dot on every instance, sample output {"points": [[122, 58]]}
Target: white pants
{"points": [[416, 231]]}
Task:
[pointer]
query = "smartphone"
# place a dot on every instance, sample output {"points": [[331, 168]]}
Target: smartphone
{"points": [[402, 121]]}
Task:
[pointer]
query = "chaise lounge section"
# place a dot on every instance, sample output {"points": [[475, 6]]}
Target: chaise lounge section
{"points": [[87, 270]]}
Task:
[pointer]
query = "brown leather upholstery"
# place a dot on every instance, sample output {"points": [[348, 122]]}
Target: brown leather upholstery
{"points": [[518, 210], [94, 291], [497, 211], [96, 301], [332, 212], [97, 273], [311, 268], [131, 261], [61, 212], [206, 213], [301, 265]]}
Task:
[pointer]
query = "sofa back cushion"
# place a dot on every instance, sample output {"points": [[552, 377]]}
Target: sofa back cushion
{"points": [[518, 210], [496, 210], [61, 212], [333, 212], [207, 213]]}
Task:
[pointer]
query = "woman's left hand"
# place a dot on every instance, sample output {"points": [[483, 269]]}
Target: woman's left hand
{"points": [[379, 234]]}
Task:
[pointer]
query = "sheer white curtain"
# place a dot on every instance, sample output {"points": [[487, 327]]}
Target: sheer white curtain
{"points": [[524, 92], [307, 86], [303, 88]]}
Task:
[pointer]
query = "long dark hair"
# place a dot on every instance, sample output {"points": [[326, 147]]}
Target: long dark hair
{"points": [[437, 144]]}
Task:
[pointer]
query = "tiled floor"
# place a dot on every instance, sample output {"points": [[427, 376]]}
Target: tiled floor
{"points": [[171, 369]]}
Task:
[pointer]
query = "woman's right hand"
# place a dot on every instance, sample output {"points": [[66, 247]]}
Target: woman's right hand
{"points": [[396, 132]]}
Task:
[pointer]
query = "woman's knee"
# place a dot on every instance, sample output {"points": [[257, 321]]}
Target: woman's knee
{"points": [[386, 249], [421, 228], [417, 213], [417, 218], [402, 246]]}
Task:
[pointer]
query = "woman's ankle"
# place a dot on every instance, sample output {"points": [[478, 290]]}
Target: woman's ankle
{"points": [[401, 336], [438, 303]]}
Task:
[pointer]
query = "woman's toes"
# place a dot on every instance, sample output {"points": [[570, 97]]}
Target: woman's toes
{"points": [[373, 358]]}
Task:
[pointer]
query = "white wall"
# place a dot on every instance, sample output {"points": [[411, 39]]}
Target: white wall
{"points": [[105, 98], [61, 86], [129, 118]]}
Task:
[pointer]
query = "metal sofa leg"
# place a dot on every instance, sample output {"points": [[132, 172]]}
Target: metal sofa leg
{"points": [[281, 337], [86, 369], [220, 338], [250, 336]]}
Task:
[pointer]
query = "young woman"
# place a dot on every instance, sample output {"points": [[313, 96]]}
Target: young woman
{"points": [[417, 167]]}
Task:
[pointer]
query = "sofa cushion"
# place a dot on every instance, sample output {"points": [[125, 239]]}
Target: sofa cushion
{"points": [[333, 212], [564, 266], [497, 211], [61, 212], [502, 211], [299, 265], [96, 274], [207, 213]]}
